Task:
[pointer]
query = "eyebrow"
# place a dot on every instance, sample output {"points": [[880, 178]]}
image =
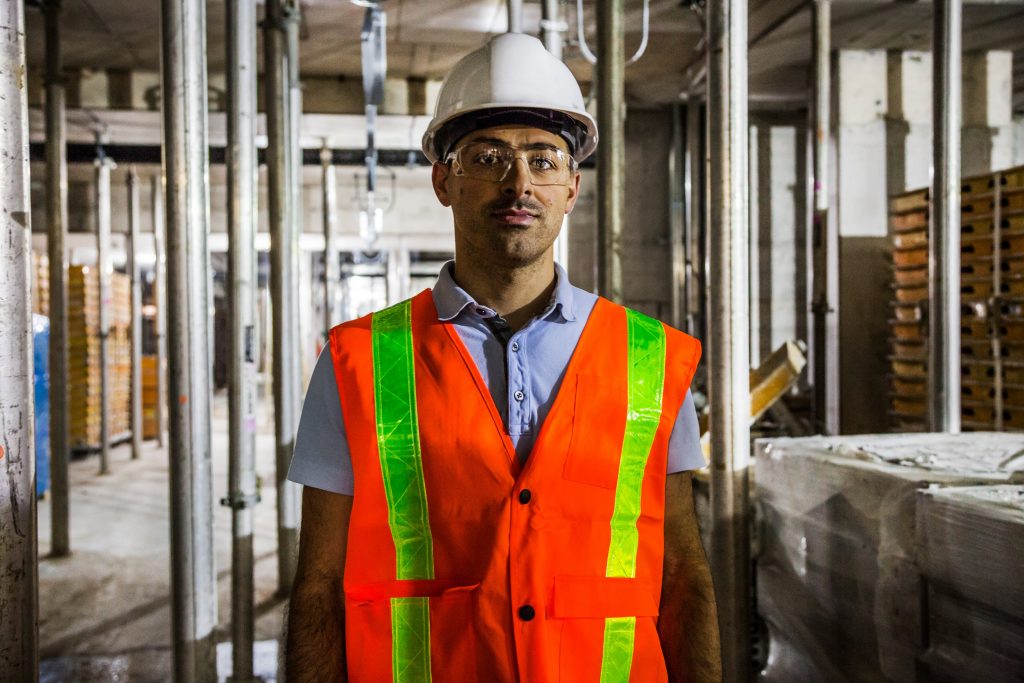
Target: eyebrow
{"points": [[504, 143]]}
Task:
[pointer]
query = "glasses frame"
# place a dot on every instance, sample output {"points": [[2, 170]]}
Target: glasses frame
{"points": [[519, 153]]}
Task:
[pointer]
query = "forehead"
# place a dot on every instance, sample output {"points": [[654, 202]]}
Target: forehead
{"points": [[517, 136]]}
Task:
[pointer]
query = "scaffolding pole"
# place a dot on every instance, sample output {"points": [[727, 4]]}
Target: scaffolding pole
{"points": [[160, 299], [56, 246], [193, 579], [944, 241], [678, 228], [19, 593], [104, 269], [329, 204], [826, 232], [696, 168], [552, 30], [242, 192], [729, 375], [134, 217], [611, 155], [515, 16], [283, 267]]}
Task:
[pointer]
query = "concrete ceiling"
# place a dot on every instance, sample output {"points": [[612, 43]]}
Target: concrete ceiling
{"points": [[425, 37]]}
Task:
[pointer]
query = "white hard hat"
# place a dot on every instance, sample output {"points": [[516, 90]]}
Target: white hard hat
{"points": [[512, 74]]}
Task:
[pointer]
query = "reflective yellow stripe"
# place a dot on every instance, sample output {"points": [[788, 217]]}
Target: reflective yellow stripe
{"points": [[401, 464], [410, 640], [646, 382]]}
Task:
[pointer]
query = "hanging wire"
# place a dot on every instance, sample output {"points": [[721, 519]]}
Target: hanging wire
{"points": [[582, 38]]}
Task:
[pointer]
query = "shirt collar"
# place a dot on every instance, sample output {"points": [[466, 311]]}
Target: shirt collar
{"points": [[450, 299]]}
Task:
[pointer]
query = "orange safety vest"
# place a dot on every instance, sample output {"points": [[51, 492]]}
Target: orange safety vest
{"points": [[463, 565]]}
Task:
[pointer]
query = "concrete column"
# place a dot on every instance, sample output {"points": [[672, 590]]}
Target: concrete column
{"points": [[908, 121], [19, 594], [988, 126], [861, 205]]}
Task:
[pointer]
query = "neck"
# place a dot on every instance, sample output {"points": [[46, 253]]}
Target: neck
{"points": [[516, 293]]}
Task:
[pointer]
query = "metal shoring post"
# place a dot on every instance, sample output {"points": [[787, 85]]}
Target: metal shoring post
{"points": [[242, 192], [19, 570], [282, 259], [160, 299], [56, 244], [103, 273], [994, 306], [304, 323], [329, 204], [696, 170], [729, 372], [678, 228], [611, 154], [944, 241], [193, 579], [551, 29], [136, 276], [826, 233], [515, 16]]}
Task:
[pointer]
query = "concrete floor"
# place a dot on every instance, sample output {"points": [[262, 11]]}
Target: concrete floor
{"points": [[105, 610]]}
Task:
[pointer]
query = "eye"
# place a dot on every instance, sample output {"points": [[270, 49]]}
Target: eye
{"points": [[544, 161], [487, 157]]}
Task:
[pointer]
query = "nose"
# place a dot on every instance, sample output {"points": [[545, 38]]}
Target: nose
{"points": [[517, 180]]}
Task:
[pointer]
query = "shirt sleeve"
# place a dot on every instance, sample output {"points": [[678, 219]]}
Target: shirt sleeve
{"points": [[321, 458], [684, 451]]}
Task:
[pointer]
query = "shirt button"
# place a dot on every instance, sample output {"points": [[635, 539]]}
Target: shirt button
{"points": [[524, 496], [481, 311], [514, 346], [527, 613], [519, 396]]}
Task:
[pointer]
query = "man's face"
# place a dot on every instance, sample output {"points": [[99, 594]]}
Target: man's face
{"points": [[512, 222]]}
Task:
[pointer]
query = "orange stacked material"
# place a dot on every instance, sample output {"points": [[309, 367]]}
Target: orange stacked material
{"points": [[149, 397], [84, 357], [992, 298], [40, 283]]}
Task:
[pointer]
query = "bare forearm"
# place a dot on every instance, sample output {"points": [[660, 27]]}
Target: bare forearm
{"points": [[688, 626], [316, 633]]}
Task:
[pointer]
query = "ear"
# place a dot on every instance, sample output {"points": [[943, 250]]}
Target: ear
{"points": [[439, 179], [574, 193]]}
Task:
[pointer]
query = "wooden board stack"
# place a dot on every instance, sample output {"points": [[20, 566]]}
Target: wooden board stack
{"points": [[992, 304], [84, 357], [149, 397]]}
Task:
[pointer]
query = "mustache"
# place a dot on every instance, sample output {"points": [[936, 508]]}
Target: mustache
{"points": [[517, 205]]}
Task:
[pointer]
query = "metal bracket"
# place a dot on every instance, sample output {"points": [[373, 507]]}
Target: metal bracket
{"points": [[238, 501]]}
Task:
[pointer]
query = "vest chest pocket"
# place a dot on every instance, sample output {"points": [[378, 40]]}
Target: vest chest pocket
{"points": [[598, 421], [401, 631]]}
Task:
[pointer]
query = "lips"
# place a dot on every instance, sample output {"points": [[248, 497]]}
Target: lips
{"points": [[514, 216]]}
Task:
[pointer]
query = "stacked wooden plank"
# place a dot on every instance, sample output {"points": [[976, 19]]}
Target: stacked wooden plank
{"points": [[992, 304], [909, 215], [84, 357], [40, 283], [149, 397]]}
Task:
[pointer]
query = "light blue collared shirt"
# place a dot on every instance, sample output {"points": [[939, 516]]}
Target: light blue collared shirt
{"points": [[523, 387]]}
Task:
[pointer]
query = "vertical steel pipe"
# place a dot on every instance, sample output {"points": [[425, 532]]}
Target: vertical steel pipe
{"points": [[299, 279], [515, 16], [134, 216], [611, 153], [242, 193], [19, 594], [56, 246], [193, 579], [826, 232], [160, 299], [552, 26], [944, 241], [678, 228], [283, 256], [696, 170], [329, 204], [729, 371], [104, 268]]}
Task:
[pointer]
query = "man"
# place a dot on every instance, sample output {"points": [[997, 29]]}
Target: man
{"points": [[497, 471]]}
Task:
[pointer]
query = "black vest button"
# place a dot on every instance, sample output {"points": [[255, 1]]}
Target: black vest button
{"points": [[525, 496], [527, 613]]}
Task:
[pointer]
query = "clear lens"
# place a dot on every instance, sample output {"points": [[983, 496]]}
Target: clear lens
{"points": [[485, 161]]}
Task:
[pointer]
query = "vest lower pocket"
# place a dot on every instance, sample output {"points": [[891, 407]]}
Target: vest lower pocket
{"points": [[609, 629], [410, 631]]}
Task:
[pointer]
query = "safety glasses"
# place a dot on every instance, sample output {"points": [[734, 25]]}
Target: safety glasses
{"points": [[546, 165]]}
